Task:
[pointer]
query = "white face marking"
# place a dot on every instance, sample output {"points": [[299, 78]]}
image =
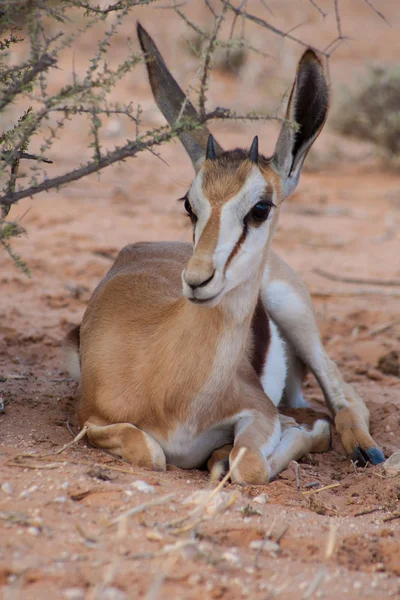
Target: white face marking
{"points": [[245, 264], [247, 261], [200, 206]]}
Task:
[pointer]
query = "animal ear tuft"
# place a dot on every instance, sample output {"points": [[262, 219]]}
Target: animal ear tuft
{"points": [[308, 108]]}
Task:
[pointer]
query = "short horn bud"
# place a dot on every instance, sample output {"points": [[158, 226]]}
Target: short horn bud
{"points": [[211, 154], [253, 152]]}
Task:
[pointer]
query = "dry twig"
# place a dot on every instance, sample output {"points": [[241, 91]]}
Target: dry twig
{"points": [[359, 280], [326, 487]]}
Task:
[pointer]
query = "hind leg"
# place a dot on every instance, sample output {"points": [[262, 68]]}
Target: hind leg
{"points": [[296, 441], [129, 443], [288, 302], [296, 372]]}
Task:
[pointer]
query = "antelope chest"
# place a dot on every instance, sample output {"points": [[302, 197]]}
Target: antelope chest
{"points": [[188, 448]]}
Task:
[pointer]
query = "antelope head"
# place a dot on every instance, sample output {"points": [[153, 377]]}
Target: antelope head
{"points": [[234, 200]]}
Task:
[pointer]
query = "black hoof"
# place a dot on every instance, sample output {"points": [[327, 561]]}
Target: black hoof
{"points": [[374, 456]]}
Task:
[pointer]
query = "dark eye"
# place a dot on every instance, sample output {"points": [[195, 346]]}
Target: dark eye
{"points": [[189, 209], [260, 212]]}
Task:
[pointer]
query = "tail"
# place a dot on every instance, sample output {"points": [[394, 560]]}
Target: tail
{"points": [[71, 352]]}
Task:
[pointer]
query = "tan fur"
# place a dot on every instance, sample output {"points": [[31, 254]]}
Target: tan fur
{"points": [[161, 376], [222, 180]]}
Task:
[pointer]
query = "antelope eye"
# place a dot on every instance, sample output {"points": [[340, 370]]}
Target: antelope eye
{"points": [[188, 208], [260, 212]]}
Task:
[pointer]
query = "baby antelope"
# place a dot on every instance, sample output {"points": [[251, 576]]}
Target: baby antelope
{"points": [[186, 350]]}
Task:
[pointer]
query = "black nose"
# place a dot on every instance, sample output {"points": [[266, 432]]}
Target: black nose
{"points": [[194, 285]]}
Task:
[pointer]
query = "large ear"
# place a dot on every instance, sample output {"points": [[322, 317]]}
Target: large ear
{"points": [[308, 107], [170, 99]]}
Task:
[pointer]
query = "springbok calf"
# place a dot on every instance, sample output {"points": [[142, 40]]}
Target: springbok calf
{"points": [[182, 378]]}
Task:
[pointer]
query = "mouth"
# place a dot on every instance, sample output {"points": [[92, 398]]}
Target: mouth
{"points": [[205, 301]]}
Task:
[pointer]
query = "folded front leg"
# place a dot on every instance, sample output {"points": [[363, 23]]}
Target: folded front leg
{"points": [[259, 435], [129, 443], [288, 302], [296, 441]]}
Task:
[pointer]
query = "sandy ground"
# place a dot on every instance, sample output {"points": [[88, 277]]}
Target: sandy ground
{"points": [[63, 533]]}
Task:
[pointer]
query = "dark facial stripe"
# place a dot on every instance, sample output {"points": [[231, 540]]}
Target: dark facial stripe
{"points": [[261, 337], [236, 247]]}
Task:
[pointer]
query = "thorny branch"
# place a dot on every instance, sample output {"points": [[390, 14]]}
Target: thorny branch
{"points": [[153, 138], [26, 85]]}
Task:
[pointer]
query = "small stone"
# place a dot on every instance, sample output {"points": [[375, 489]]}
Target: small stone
{"points": [[7, 488], [60, 499], [73, 594], [231, 557], [262, 499], [392, 465], [33, 531], [113, 593], [154, 536], [194, 579], [265, 545], [144, 487], [390, 364], [374, 374]]}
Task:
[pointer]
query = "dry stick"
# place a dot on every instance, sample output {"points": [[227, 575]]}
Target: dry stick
{"points": [[392, 518], [264, 24], [154, 590], [378, 329], [315, 5], [360, 280], [297, 473], [207, 63], [62, 462], [359, 292], [330, 545], [266, 538], [382, 16], [76, 439], [326, 487], [316, 582], [338, 23], [141, 508], [368, 512], [194, 513]]}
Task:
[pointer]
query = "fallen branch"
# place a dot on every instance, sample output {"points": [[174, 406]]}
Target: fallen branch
{"points": [[359, 292], [326, 487], [359, 280], [141, 507], [368, 511]]}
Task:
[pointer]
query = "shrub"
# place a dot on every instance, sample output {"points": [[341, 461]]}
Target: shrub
{"points": [[371, 111]]}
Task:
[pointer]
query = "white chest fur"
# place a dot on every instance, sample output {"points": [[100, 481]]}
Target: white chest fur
{"points": [[275, 367]]}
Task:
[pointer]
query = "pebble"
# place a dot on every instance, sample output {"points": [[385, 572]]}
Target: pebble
{"points": [[194, 579], [266, 545], [262, 499], [392, 465], [231, 557], [113, 593], [144, 487], [7, 488], [73, 594]]}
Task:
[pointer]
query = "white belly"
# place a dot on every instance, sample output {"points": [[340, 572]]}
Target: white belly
{"points": [[187, 449], [274, 374]]}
